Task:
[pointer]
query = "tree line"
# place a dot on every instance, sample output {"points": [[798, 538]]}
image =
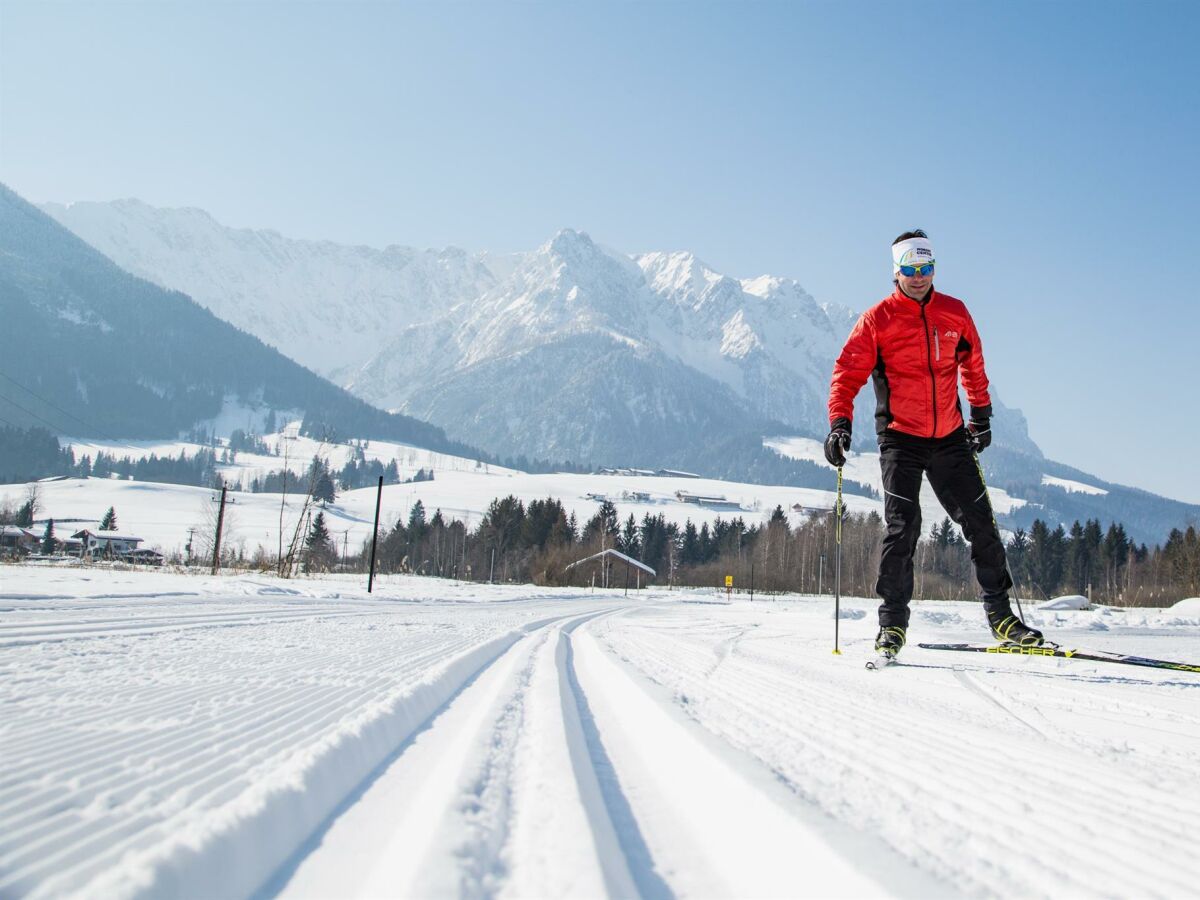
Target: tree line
{"points": [[538, 542]]}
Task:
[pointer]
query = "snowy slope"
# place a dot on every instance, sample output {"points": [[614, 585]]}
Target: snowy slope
{"points": [[1072, 487], [326, 305], [299, 451], [182, 736], [765, 337]]}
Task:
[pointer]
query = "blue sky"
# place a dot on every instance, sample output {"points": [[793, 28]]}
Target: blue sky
{"points": [[1049, 149]]}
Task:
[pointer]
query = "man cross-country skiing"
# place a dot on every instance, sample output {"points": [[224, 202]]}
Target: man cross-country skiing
{"points": [[914, 344]]}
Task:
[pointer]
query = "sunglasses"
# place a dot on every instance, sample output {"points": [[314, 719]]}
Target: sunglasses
{"points": [[923, 271]]}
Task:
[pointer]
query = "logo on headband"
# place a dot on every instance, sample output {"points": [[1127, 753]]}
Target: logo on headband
{"points": [[916, 253]]}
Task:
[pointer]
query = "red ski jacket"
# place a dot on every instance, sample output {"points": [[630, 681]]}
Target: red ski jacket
{"points": [[913, 350]]}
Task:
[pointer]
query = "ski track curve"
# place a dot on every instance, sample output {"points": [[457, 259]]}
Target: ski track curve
{"points": [[980, 776], [714, 821]]}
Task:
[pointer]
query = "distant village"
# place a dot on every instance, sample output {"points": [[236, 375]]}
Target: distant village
{"points": [[41, 541]]}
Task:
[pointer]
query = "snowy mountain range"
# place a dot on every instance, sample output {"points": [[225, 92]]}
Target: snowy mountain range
{"points": [[660, 348], [328, 306]]}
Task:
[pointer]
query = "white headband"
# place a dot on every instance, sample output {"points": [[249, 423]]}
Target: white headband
{"points": [[913, 252]]}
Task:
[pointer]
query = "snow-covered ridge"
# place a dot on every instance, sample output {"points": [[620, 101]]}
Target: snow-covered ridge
{"points": [[1073, 486], [393, 324], [326, 305]]}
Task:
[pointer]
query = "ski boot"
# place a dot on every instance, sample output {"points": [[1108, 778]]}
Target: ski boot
{"points": [[1007, 628], [889, 641]]}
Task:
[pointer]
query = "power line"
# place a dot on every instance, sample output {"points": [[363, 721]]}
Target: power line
{"points": [[29, 412], [52, 405], [52, 426], [55, 406]]}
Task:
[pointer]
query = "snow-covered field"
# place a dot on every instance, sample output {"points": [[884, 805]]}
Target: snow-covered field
{"points": [[172, 735]]}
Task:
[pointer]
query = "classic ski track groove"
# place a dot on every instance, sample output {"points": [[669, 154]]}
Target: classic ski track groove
{"points": [[51, 839], [1112, 805], [133, 629], [479, 794]]}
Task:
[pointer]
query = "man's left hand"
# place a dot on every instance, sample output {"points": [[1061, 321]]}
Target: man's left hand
{"points": [[979, 433]]}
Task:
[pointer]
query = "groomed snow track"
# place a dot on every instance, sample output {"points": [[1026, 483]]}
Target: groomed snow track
{"points": [[559, 772], [564, 744]]}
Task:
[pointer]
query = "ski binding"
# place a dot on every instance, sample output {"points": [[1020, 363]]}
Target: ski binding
{"points": [[880, 661]]}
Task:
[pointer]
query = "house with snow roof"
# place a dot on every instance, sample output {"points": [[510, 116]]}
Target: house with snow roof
{"points": [[15, 540], [106, 543]]}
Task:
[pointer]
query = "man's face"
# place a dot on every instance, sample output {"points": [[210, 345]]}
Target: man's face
{"points": [[915, 286]]}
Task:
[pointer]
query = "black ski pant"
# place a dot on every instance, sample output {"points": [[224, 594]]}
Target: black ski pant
{"points": [[950, 464]]}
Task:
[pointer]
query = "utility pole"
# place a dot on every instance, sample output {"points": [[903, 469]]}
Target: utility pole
{"points": [[216, 560], [283, 438], [375, 535]]}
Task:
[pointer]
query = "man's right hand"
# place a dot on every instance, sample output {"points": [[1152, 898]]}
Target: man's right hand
{"points": [[838, 442]]}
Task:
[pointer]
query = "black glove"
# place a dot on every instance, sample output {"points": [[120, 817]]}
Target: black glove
{"points": [[979, 429], [838, 442]]}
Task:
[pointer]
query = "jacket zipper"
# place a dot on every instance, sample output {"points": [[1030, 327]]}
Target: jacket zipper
{"points": [[929, 359], [937, 345]]}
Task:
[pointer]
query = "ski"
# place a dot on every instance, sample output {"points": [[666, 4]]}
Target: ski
{"points": [[880, 661], [1055, 650]]}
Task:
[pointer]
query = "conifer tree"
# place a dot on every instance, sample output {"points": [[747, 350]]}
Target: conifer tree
{"points": [[324, 492], [779, 519], [690, 551], [1046, 551], [1075, 575], [49, 544], [1093, 538], [502, 524], [1018, 556], [416, 521], [318, 546], [629, 538], [109, 522]]}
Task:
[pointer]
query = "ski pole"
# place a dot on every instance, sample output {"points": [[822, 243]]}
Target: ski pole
{"points": [[837, 571], [992, 510]]}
